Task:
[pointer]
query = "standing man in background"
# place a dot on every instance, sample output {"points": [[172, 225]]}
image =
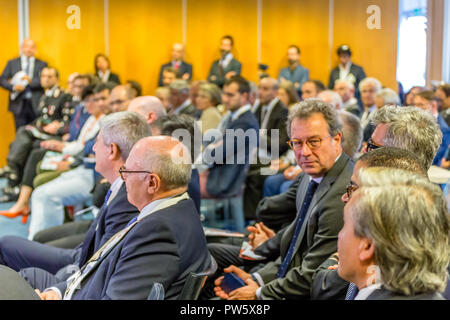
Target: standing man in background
{"points": [[227, 66], [295, 72], [184, 69], [22, 77]]}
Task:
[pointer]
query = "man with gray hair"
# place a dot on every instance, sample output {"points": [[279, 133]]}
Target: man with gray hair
{"points": [[368, 88], [346, 90], [119, 132], [332, 98], [388, 260], [179, 99], [315, 136], [351, 133], [149, 107], [408, 128]]}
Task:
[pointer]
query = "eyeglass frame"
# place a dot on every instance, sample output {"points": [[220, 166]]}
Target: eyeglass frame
{"points": [[310, 147], [122, 171], [372, 146]]}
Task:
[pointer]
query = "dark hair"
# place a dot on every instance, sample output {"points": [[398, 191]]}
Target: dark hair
{"points": [[53, 68], [104, 86], [344, 49], [295, 47], [229, 38], [169, 123], [87, 91], [135, 86], [426, 94], [318, 84], [243, 84], [446, 88], [84, 76], [391, 157], [104, 57]]}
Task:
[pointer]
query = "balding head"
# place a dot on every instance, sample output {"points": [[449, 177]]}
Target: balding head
{"points": [[177, 51], [149, 107], [331, 97], [166, 170], [28, 48], [120, 98]]}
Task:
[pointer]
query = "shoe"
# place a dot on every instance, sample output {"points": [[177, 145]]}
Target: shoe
{"points": [[24, 213], [9, 198], [5, 171]]}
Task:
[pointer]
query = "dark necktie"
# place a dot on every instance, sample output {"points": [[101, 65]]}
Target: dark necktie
{"points": [[352, 291], [298, 225]]}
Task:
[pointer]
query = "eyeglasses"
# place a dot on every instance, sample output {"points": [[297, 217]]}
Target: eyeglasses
{"points": [[122, 171], [372, 146], [312, 143], [350, 189]]}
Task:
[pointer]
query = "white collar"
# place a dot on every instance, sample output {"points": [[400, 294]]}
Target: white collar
{"points": [[153, 206], [367, 291], [236, 114], [50, 92], [115, 187]]}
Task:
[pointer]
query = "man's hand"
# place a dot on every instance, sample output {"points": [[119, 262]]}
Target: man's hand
{"points": [[26, 77], [230, 74], [231, 269], [52, 128], [53, 145], [48, 295], [18, 88], [292, 172], [245, 293], [62, 165], [185, 76], [259, 233]]}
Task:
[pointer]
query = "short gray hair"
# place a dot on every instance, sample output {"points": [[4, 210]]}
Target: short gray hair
{"points": [[331, 97], [352, 133], [180, 86], [373, 81], [389, 96], [146, 104], [406, 217], [306, 108], [124, 129], [410, 128], [349, 84], [173, 174]]}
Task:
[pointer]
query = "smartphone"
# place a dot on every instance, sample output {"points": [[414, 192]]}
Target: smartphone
{"points": [[231, 282]]}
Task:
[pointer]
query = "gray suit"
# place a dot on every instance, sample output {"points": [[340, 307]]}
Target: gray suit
{"points": [[317, 239], [217, 76]]}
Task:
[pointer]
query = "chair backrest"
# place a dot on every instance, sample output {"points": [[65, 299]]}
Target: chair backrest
{"points": [[195, 281], [157, 292]]}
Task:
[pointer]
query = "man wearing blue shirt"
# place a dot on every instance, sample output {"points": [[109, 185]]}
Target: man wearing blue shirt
{"points": [[295, 72]]}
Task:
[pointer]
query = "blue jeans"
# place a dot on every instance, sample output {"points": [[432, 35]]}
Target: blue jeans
{"points": [[276, 184], [48, 200]]}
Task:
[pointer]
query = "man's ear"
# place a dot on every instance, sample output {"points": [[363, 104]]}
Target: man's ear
{"points": [[114, 152], [154, 184], [366, 250]]}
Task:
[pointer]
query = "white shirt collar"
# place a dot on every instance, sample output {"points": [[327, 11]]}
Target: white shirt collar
{"points": [[226, 60], [115, 187], [51, 91], [236, 114], [367, 291]]}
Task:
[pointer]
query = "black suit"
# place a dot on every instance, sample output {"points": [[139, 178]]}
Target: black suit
{"points": [[184, 68], [19, 253], [113, 77], [21, 107], [255, 181], [217, 74], [357, 72]]}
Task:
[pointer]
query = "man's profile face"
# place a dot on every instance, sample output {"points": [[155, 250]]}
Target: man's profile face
{"points": [[309, 90], [344, 91], [102, 99], [315, 162], [48, 78], [231, 98]]}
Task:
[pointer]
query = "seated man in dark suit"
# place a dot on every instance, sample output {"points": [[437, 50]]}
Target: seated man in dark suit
{"points": [[120, 131], [227, 66], [388, 260], [179, 99], [346, 70], [298, 250], [24, 99], [184, 69], [164, 243]]}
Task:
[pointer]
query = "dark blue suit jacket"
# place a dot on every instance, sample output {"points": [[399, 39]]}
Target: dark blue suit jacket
{"points": [[226, 180], [184, 68], [445, 141], [14, 66], [109, 221], [163, 247]]}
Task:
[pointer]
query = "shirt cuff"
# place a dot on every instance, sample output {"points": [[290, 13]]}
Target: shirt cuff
{"points": [[258, 278], [56, 290], [258, 293]]}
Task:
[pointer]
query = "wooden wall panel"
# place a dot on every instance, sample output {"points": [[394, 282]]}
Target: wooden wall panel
{"points": [[302, 23], [68, 50], [208, 21], [375, 50], [9, 50], [141, 34]]}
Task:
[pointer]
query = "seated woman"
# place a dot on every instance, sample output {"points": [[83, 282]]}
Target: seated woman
{"points": [[67, 149], [102, 69], [207, 100], [287, 94]]}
